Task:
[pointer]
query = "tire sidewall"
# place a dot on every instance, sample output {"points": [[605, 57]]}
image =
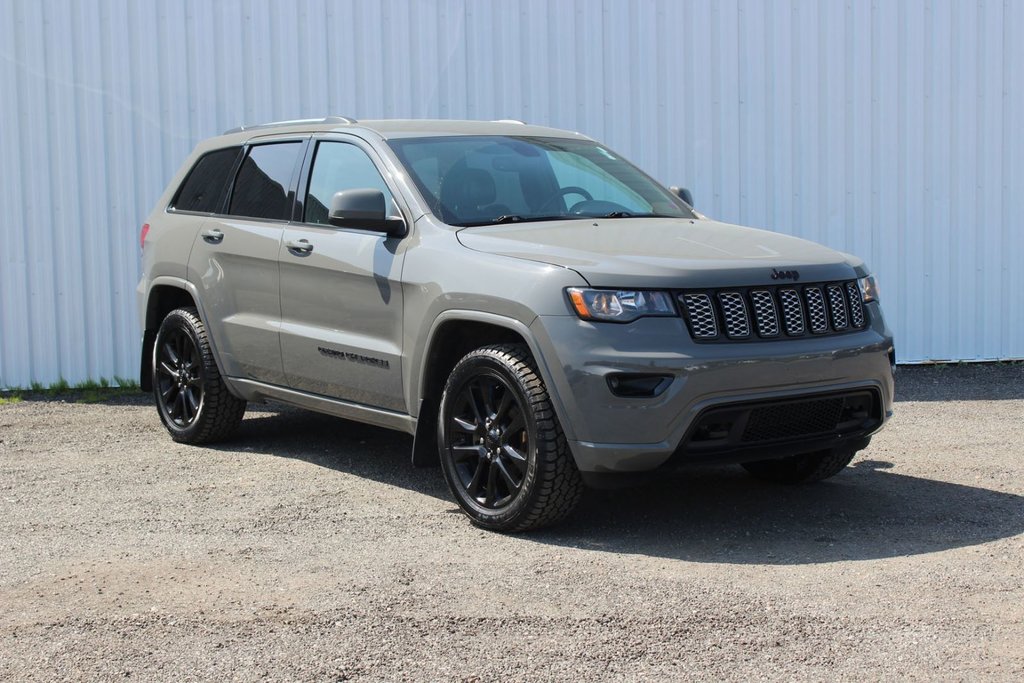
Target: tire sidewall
{"points": [[471, 366]]}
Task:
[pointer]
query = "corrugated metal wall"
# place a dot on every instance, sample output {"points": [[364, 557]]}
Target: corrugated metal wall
{"points": [[888, 129]]}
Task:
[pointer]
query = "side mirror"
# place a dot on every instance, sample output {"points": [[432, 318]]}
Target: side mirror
{"points": [[683, 194], [365, 209]]}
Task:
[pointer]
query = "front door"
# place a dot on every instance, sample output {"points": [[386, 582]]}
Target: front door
{"points": [[341, 297]]}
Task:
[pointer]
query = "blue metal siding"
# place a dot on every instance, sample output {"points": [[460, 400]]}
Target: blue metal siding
{"points": [[886, 129]]}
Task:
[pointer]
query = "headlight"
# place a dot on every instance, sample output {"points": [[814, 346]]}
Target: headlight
{"points": [[620, 306], [868, 288]]}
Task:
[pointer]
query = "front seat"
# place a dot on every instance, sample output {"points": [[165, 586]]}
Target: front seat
{"points": [[467, 196]]}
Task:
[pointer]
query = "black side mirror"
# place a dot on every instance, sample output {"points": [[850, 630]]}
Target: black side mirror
{"points": [[683, 194], [365, 209]]}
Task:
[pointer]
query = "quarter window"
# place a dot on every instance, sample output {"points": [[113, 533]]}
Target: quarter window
{"points": [[263, 186], [340, 166], [204, 188]]}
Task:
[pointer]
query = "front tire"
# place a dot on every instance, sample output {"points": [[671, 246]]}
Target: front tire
{"points": [[503, 452], [191, 397], [806, 468]]}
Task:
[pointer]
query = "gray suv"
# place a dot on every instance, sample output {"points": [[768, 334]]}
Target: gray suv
{"points": [[539, 313]]}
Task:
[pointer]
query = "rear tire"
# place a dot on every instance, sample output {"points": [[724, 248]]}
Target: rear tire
{"points": [[502, 450], [191, 397], [802, 469]]}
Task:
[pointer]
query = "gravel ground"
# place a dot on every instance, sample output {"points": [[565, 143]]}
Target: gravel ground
{"points": [[309, 549]]}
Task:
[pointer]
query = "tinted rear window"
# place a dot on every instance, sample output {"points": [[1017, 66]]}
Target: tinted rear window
{"points": [[262, 188], [204, 188]]}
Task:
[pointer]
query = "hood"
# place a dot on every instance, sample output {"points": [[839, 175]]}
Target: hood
{"points": [[671, 252]]}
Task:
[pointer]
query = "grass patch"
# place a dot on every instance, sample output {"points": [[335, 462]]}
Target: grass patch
{"points": [[125, 383], [59, 387], [86, 391], [87, 385]]}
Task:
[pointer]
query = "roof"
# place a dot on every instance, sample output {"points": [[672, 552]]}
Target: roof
{"points": [[400, 128]]}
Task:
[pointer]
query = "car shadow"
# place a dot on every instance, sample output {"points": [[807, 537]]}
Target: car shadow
{"points": [[714, 514], [723, 515]]}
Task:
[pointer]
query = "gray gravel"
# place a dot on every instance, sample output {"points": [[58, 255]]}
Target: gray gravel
{"points": [[309, 549]]}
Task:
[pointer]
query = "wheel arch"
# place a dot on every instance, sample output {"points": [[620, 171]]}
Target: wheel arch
{"points": [[164, 295], [453, 334]]}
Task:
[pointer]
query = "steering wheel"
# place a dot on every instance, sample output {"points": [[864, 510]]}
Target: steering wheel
{"points": [[571, 189]]}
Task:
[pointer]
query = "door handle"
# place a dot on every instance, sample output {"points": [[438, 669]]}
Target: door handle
{"points": [[299, 247], [213, 236]]}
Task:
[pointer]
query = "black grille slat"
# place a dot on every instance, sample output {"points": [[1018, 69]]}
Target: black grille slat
{"points": [[774, 311]]}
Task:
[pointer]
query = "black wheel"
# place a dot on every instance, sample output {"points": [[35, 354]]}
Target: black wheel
{"points": [[192, 399], [802, 469], [502, 450]]}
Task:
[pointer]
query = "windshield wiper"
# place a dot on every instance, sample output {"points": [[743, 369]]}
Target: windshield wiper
{"points": [[627, 214], [516, 218]]}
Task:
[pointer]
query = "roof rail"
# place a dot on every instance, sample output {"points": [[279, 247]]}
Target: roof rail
{"points": [[517, 121], [293, 122]]}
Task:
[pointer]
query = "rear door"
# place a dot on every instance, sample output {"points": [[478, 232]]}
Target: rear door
{"points": [[341, 297], [234, 260]]}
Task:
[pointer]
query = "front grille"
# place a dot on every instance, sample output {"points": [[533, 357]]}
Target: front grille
{"points": [[773, 312]]}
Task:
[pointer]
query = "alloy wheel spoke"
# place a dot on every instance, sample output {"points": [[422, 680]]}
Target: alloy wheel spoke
{"points": [[492, 484], [166, 369], [186, 408], [464, 425], [487, 393], [477, 481], [171, 354], [193, 402], [474, 401], [177, 409], [516, 425], [510, 482], [514, 455], [503, 405], [467, 452]]}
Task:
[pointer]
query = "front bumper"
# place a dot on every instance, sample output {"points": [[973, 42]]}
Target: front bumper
{"points": [[617, 434]]}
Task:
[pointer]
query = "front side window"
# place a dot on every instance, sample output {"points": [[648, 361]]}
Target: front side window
{"points": [[481, 179], [204, 188], [263, 185], [340, 166]]}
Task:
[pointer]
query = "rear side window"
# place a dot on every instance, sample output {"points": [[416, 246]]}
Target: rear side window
{"points": [[263, 185], [205, 185]]}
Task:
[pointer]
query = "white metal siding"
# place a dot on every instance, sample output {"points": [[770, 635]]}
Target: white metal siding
{"points": [[887, 129]]}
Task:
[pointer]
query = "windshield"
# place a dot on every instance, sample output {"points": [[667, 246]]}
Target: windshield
{"points": [[478, 179]]}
